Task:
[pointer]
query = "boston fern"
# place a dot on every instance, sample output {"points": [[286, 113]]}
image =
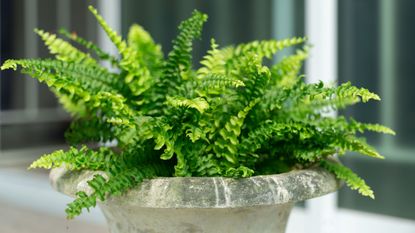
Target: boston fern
{"points": [[232, 117]]}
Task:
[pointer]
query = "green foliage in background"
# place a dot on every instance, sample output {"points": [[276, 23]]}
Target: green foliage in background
{"points": [[232, 117]]}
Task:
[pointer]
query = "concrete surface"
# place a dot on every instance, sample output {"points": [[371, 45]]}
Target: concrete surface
{"points": [[15, 219]]}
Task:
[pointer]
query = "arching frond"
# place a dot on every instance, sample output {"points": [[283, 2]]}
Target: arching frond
{"points": [[213, 62], [63, 50], [102, 55], [267, 48], [352, 180]]}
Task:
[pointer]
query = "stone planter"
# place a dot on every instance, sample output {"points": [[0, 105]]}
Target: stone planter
{"points": [[259, 204]]}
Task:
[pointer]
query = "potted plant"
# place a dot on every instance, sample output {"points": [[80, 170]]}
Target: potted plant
{"points": [[227, 147]]}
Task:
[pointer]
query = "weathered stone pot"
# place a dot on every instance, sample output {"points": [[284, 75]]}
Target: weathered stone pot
{"points": [[258, 204]]}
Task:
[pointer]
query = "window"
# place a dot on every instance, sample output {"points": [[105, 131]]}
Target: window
{"points": [[376, 51], [29, 112]]}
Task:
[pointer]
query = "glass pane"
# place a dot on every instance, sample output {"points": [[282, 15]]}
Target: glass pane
{"points": [[405, 77], [362, 52], [17, 129], [359, 54], [392, 182], [46, 98], [32, 135], [12, 46], [251, 20]]}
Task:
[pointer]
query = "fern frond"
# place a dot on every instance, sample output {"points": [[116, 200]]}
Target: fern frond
{"points": [[239, 172], [218, 82], [82, 201], [352, 143], [102, 55], [177, 68], [120, 176], [128, 62], [267, 48], [346, 90], [200, 104], [267, 130], [352, 180], [285, 73], [56, 74], [73, 105], [227, 145], [166, 141], [63, 50], [254, 75], [148, 52], [114, 108], [115, 185], [149, 57], [376, 128], [195, 133], [312, 99], [214, 62], [75, 84], [128, 55], [179, 60], [351, 126], [273, 99], [70, 92], [258, 137], [88, 130], [75, 159]]}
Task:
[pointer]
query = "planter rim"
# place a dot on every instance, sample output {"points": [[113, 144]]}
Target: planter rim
{"points": [[209, 192]]}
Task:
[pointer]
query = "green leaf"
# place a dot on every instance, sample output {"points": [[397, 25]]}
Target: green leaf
{"points": [[200, 104], [347, 175], [63, 50]]}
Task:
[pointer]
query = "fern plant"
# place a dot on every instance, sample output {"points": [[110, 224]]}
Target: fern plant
{"points": [[232, 117]]}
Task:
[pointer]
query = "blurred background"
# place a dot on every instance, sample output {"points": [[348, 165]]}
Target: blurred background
{"points": [[367, 42]]}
